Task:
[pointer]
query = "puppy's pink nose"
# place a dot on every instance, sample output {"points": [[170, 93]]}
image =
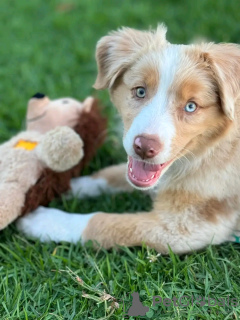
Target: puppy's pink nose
{"points": [[147, 146]]}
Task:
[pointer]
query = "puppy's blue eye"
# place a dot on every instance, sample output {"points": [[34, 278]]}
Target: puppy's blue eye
{"points": [[140, 92], [190, 107]]}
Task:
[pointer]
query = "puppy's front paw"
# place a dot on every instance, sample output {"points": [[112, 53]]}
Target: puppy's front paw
{"points": [[48, 224], [88, 187]]}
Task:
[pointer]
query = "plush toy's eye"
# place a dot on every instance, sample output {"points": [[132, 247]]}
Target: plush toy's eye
{"points": [[190, 107], [140, 92]]}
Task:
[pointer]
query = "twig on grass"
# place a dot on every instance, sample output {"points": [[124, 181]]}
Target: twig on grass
{"points": [[100, 296]]}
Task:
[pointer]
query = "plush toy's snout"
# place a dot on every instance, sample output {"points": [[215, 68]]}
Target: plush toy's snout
{"points": [[36, 106], [38, 95]]}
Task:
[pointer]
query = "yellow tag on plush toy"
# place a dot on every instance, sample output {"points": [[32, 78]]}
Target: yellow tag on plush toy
{"points": [[28, 145]]}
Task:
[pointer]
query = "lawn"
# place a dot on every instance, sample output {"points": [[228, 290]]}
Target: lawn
{"points": [[48, 46]]}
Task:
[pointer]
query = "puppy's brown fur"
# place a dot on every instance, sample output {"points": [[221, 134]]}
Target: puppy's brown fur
{"points": [[197, 201]]}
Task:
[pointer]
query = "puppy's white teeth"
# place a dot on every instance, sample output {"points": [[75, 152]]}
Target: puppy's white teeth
{"points": [[152, 177], [130, 169], [147, 180], [133, 176]]}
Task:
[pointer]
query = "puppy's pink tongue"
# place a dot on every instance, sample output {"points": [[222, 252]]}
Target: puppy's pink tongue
{"points": [[144, 171], [144, 175]]}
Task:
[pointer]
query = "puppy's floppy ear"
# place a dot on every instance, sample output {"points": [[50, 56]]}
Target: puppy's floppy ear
{"points": [[224, 60], [116, 51]]}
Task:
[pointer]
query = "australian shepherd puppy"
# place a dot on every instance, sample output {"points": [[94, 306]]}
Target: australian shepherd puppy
{"points": [[180, 107]]}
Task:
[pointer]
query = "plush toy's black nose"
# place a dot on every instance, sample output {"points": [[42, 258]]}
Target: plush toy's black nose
{"points": [[38, 95]]}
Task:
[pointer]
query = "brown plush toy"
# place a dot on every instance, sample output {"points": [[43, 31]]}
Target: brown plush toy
{"points": [[36, 165]]}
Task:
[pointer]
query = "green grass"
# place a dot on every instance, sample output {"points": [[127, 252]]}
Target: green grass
{"points": [[48, 46]]}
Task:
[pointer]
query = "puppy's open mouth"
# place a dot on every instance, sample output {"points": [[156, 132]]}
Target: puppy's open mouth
{"points": [[144, 175]]}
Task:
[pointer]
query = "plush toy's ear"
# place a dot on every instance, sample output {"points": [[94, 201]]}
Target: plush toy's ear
{"points": [[87, 104], [224, 61], [118, 50], [36, 105]]}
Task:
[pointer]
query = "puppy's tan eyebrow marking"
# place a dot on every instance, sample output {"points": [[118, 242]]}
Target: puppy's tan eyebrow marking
{"points": [[151, 77], [187, 90], [144, 73]]}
